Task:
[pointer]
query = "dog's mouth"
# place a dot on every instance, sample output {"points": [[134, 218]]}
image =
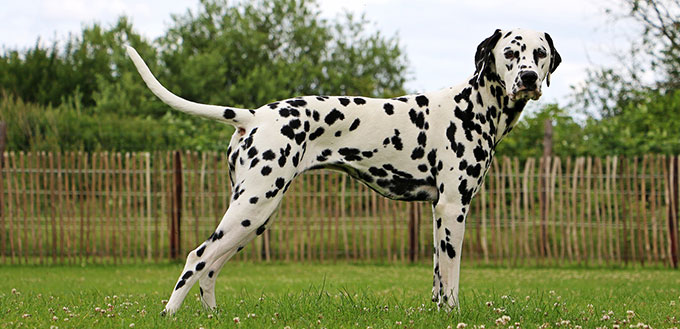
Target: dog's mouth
{"points": [[523, 93]]}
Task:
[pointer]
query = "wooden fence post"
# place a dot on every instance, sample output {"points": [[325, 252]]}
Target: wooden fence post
{"points": [[544, 181], [175, 224], [673, 209], [547, 138]]}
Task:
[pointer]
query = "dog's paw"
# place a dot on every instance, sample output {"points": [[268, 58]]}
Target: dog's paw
{"points": [[167, 312], [208, 301]]}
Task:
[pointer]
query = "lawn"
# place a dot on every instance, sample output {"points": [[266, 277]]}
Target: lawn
{"points": [[339, 296]]}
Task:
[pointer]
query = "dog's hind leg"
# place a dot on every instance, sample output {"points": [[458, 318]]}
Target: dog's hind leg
{"points": [[253, 202], [207, 281]]}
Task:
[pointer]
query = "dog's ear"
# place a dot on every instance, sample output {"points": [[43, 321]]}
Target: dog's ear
{"points": [[484, 55], [555, 58]]}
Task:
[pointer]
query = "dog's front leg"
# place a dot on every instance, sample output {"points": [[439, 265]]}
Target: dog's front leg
{"points": [[450, 226]]}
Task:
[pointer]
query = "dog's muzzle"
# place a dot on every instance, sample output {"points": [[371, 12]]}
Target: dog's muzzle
{"points": [[526, 87]]}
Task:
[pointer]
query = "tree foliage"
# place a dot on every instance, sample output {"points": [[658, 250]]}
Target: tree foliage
{"points": [[526, 137], [660, 39]]}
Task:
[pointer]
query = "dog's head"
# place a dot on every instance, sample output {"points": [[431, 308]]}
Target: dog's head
{"points": [[519, 59]]}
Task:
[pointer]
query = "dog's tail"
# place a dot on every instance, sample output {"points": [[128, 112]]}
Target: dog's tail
{"points": [[229, 115]]}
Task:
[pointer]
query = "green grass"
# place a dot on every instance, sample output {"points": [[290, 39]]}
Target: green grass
{"points": [[337, 296]]}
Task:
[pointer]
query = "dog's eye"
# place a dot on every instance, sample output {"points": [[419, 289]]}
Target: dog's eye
{"points": [[541, 53], [509, 54]]}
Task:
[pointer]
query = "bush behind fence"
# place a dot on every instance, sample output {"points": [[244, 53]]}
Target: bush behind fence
{"points": [[104, 207]]}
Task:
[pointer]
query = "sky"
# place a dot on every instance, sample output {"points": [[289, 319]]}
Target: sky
{"points": [[439, 36]]}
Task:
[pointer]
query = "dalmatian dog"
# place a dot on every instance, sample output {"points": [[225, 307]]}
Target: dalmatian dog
{"points": [[434, 147]]}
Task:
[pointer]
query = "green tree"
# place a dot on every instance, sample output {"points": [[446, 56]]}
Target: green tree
{"points": [[252, 53], [650, 124], [655, 50], [50, 75], [526, 138], [660, 39]]}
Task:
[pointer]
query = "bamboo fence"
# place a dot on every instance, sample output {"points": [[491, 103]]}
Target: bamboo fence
{"points": [[75, 208]]}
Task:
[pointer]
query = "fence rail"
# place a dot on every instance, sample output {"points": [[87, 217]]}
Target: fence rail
{"points": [[128, 207]]}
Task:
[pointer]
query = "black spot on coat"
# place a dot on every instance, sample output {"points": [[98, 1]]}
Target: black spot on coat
{"points": [[350, 154], [417, 153], [354, 125], [318, 132], [288, 132], [417, 118], [297, 102], [422, 101], [229, 114], [268, 155], [333, 116]]}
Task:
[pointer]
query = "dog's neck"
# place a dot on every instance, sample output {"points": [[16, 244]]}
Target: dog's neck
{"points": [[490, 99]]}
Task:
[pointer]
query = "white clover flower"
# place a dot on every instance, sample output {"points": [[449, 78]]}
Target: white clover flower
{"points": [[503, 320], [461, 325]]}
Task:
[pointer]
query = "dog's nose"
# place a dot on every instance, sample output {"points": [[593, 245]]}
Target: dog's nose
{"points": [[529, 79]]}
